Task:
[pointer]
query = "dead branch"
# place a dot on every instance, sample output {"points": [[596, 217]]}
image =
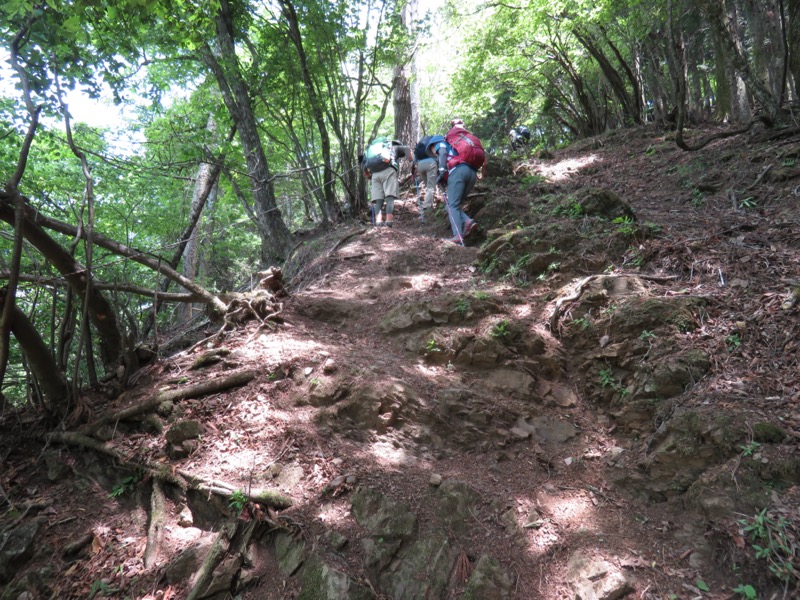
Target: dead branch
{"points": [[193, 391], [345, 239]]}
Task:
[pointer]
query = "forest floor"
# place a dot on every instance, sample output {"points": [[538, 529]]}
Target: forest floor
{"points": [[348, 394]]}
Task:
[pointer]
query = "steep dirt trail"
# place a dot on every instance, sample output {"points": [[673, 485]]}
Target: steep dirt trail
{"points": [[578, 398]]}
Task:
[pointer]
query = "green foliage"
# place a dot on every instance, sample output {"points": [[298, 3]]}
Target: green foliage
{"points": [[462, 306], [627, 226], [647, 335], [702, 585], [237, 502], [581, 322], [530, 181], [746, 203], [750, 448], [733, 341], [746, 591], [773, 539], [433, 346], [500, 330], [607, 378], [125, 486]]}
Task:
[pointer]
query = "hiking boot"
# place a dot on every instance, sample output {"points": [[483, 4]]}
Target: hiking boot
{"points": [[456, 240], [470, 227]]}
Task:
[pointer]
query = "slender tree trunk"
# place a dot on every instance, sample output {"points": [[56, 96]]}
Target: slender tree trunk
{"points": [[332, 211], [276, 239]]}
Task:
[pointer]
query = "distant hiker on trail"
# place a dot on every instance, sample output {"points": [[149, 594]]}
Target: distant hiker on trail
{"points": [[380, 166], [464, 157], [425, 172], [520, 137]]}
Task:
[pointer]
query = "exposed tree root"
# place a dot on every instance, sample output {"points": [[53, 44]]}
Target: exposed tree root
{"points": [[193, 391], [158, 516], [178, 477]]}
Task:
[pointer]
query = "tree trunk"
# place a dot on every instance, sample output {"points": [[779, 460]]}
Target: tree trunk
{"points": [[330, 206], [100, 312], [726, 23], [276, 239], [40, 360]]}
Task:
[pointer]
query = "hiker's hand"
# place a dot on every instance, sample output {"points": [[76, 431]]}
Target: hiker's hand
{"points": [[440, 178]]}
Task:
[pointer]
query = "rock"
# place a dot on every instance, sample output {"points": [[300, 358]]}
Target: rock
{"points": [[597, 202], [596, 579], [489, 581], [16, 547], [183, 566], [329, 366], [511, 381], [435, 479], [320, 581], [183, 430], [185, 518], [381, 515], [456, 500], [289, 552], [434, 556], [57, 469], [767, 433]]}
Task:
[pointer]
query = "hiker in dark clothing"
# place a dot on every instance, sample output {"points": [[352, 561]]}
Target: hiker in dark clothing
{"points": [[460, 157], [380, 166], [520, 137], [425, 171]]}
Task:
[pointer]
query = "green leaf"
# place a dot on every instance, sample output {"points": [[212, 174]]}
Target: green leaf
{"points": [[702, 585]]}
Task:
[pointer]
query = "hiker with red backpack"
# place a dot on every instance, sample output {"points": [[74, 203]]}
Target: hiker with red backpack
{"points": [[380, 166], [461, 156]]}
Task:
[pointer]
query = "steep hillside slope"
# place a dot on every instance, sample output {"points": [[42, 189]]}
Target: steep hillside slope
{"points": [[597, 397]]}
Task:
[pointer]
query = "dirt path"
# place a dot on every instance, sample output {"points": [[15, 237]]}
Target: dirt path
{"points": [[628, 438]]}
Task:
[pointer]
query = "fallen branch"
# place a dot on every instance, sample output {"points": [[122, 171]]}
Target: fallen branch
{"points": [[220, 546], [342, 241], [193, 391]]}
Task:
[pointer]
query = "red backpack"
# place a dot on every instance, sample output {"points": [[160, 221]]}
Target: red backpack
{"points": [[467, 148]]}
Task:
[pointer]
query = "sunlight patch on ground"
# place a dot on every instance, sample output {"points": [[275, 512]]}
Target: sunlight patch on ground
{"points": [[559, 171], [561, 515], [389, 455], [523, 311], [333, 514]]}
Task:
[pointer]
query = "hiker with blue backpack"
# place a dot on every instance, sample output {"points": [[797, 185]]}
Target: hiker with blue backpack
{"points": [[425, 171], [460, 157], [380, 166]]}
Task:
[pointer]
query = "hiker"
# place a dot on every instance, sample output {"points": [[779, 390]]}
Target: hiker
{"points": [[425, 172], [520, 136], [380, 166], [461, 156]]}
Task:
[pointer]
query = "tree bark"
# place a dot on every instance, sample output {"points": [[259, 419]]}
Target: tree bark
{"points": [[331, 207], [276, 239]]}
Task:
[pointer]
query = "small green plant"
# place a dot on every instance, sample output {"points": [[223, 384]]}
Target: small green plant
{"points": [[125, 486], [733, 341], [647, 335], [750, 448], [772, 539], [627, 225], [702, 585], [462, 306], [432, 346], [748, 202], [581, 322], [315, 382], [746, 591], [500, 330], [102, 588], [697, 198], [789, 162], [607, 378], [479, 295], [553, 266], [532, 181], [237, 502]]}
